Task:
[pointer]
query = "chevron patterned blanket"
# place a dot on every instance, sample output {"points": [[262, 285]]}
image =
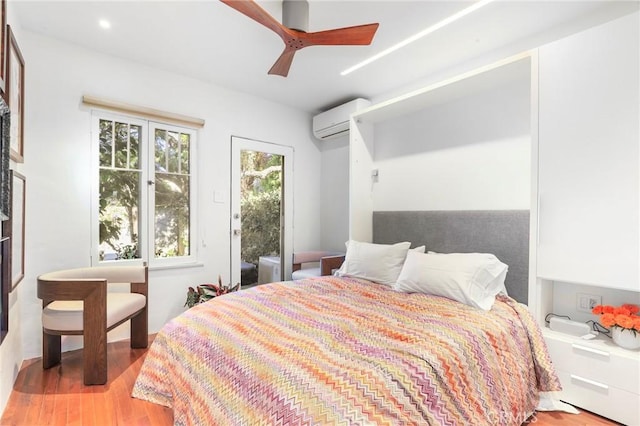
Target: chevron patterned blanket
{"points": [[345, 351]]}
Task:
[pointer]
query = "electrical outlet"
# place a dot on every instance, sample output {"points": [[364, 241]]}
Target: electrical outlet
{"points": [[586, 302]]}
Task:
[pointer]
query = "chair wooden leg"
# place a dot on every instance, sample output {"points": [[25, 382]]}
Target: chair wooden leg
{"points": [[94, 352], [94, 357], [51, 350], [140, 330]]}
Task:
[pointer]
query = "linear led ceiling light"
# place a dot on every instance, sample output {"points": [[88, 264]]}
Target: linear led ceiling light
{"points": [[477, 5]]}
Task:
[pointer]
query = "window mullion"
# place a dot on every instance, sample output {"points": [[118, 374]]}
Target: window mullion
{"points": [[147, 195], [113, 143], [179, 153]]}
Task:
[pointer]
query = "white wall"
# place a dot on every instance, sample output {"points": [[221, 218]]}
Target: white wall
{"points": [[57, 163], [472, 153], [10, 351], [335, 194]]}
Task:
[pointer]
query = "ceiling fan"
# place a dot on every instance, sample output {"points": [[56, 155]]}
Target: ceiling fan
{"points": [[293, 30]]}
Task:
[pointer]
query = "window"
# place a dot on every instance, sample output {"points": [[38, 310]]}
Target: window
{"points": [[144, 204]]}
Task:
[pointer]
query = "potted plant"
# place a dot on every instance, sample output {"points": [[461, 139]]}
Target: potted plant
{"points": [[624, 323], [204, 292]]}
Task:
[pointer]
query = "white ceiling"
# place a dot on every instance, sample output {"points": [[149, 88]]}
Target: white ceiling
{"points": [[210, 41]]}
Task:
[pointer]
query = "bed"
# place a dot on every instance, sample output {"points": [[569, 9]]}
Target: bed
{"points": [[350, 351]]}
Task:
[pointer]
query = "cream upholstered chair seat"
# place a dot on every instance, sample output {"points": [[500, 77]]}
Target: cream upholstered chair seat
{"points": [[309, 264], [308, 272], [67, 315], [76, 302]]}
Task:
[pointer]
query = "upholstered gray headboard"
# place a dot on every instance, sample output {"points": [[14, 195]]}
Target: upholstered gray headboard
{"points": [[504, 233]]}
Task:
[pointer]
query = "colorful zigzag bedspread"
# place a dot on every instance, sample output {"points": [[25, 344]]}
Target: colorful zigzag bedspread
{"points": [[347, 352]]}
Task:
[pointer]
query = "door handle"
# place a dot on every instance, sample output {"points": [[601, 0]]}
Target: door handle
{"points": [[236, 232]]}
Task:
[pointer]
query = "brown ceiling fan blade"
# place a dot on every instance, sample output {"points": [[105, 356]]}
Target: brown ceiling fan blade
{"points": [[296, 39], [251, 9], [282, 65], [358, 35]]}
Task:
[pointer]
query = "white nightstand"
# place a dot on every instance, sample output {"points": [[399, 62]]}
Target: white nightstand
{"points": [[597, 375]]}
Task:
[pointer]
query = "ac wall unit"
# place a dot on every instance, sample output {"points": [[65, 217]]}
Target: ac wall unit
{"points": [[335, 122]]}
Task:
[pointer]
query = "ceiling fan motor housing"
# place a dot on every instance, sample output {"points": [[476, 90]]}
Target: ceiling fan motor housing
{"points": [[295, 14]]}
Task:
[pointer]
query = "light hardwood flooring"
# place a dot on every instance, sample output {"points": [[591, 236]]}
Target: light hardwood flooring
{"points": [[58, 397]]}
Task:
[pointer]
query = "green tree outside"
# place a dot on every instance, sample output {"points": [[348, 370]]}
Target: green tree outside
{"points": [[261, 187]]}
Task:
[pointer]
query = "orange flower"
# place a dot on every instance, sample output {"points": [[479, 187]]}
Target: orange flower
{"points": [[608, 320], [624, 316], [624, 321], [621, 311]]}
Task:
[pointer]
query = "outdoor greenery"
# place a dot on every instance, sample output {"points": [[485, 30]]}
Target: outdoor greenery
{"points": [[172, 194], [260, 226], [119, 188], [260, 204], [172, 216]]}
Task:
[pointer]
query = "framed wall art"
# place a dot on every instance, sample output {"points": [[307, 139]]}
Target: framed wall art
{"points": [[14, 94], [3, 44], [5, 175], [18, 197], [4, 287]]}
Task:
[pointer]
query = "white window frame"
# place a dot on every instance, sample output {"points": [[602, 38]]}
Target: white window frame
{"points": [[147, 207]]}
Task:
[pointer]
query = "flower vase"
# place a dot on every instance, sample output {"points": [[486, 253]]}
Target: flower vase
{"points": [[625, 338]]}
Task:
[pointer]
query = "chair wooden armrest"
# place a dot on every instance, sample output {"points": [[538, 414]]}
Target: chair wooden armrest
{"points": [[329, 263], [306, 257]]}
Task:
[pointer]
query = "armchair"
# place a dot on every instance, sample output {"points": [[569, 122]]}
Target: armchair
{"points": [[76, 302], [315, 263]]}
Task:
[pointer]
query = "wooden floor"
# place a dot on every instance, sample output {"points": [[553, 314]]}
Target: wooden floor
{"points": [[58, 397]]}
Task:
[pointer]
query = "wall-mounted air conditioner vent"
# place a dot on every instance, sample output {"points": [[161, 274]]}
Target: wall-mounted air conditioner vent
{"points": [[335, 122]]}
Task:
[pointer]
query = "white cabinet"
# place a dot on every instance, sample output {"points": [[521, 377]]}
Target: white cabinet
{"points": [[589, 184], [589, 202], [597, 376]]}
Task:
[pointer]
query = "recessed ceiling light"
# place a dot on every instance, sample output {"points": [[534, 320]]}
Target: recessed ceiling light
{"points": [[477, 5], [104, 24]]}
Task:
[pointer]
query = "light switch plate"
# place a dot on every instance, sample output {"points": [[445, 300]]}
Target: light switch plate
{"points": [[586, 302], [218, 196]]}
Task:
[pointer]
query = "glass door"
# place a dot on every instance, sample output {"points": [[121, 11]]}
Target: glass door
{"points": [[260, 212]]}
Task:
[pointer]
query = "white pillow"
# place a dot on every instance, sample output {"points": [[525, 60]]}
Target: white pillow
{"points": [[471, 278], [380, 263], [499, 279]]}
